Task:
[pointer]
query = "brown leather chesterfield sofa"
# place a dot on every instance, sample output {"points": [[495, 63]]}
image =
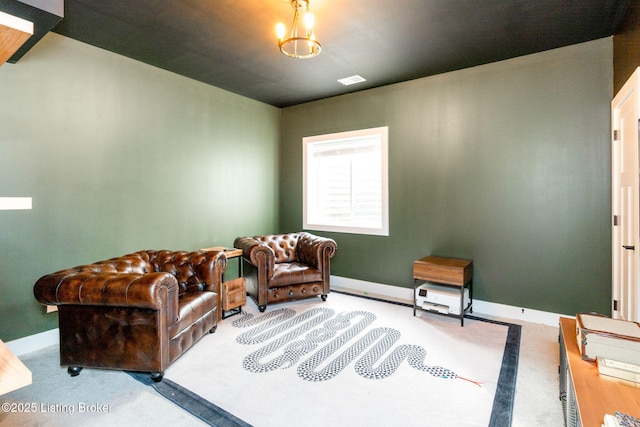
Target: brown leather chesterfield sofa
{"points": [[284, 267], [137, 312]]}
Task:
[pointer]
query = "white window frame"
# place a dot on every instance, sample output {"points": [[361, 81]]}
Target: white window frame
{"points": [[313, 222]]}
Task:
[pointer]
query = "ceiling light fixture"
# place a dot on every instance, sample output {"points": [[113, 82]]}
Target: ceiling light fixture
{"points": [[301, 42]]}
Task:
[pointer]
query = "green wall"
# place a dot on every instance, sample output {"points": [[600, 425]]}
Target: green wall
{"points": [[120, 156], [507, 164]]}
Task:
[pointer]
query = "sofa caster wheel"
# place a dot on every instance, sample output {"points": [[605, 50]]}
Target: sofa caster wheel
{"points": [[157, 376], [262, 308], [213, 330], [74, 371], [324, 297]]}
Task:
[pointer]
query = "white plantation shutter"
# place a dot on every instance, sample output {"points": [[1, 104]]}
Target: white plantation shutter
{"points": [[345, 182]]}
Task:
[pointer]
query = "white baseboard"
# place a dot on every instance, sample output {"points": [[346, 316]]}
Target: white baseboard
{"points": [[34, 342], [405, 295]]}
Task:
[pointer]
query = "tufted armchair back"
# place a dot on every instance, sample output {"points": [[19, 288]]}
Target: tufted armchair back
{"points": [[284, 246]]}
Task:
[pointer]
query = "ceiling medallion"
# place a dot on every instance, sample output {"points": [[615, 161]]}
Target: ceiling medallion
{"points": [[301, 42]]}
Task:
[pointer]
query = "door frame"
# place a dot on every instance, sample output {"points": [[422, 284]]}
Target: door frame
{"points": [[625, 297]]}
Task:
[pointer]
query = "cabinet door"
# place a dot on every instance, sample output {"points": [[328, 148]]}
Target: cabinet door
{"points": [[567, 394], [625, 196]]}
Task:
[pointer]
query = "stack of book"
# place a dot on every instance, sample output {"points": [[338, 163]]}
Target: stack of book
{"points": [[614, 368], [615, 339], [614, 345], [620, 420]]}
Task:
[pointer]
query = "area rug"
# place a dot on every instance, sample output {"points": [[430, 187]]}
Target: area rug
{"points": [[349, 361]]}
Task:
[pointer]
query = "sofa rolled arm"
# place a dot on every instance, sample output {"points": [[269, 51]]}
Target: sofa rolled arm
{"points": [[82, 287], [257, 253], [315, 250]]}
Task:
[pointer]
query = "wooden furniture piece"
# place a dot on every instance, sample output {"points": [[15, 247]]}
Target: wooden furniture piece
{"points": [[452, 272], [234, 296], [228, 252], [586, 395], [234, 292], [14, 32], [13, 373]]}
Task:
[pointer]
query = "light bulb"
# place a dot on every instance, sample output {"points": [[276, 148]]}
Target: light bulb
{"points": [[308, 21], [280, 30]]}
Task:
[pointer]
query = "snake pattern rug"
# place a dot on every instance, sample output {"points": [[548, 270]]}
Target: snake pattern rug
{"points": [[296, 336]]}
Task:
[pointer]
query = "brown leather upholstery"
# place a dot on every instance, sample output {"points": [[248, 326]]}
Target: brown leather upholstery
{"points": [[137, 312], [284, 267]]}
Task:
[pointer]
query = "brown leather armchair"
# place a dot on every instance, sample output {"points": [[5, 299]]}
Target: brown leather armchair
{"points": [[137, 312], [284, 267]]}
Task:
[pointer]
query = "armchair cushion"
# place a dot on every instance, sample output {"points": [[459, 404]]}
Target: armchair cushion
{"points": [[290, 273]]}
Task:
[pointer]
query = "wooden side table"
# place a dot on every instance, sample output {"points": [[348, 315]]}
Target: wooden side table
{"points": [[451, 272], [586, 395], [233, 292], [229, 253], [13, 373]]}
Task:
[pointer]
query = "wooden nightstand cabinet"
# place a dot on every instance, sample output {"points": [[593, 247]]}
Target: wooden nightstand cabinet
{"points": [[234, 295], [234, 292], [450, 272]]}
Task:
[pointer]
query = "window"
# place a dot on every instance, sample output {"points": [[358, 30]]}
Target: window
{"points": [[345, 182]]}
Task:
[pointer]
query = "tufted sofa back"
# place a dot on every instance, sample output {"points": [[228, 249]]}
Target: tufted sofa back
{"points": [[133, 263], [180, 264], [186, 267], [283, 245]]}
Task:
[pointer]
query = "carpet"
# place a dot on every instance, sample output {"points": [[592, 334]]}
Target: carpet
{"points": [[349, 361]]}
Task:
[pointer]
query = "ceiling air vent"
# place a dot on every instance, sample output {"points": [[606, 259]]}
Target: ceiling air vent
{"points": [[347, 81]]}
